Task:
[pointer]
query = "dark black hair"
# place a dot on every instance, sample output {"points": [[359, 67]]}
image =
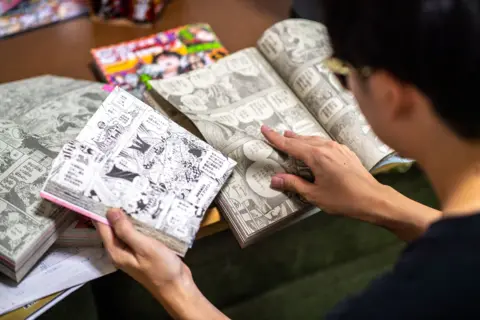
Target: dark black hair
{"points": [[431, 44]]}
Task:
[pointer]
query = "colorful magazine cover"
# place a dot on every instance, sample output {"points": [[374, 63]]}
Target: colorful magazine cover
{"points": [[130, 65], [32, 14]]}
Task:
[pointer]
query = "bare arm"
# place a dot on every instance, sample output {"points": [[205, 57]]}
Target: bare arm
{"points": [[343, 186], [157, 268], [404, 217]]}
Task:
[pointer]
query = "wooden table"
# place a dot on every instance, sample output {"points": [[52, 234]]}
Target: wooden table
{"points": [[64, 49]]}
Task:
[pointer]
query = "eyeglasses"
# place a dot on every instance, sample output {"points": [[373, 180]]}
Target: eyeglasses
{"points": [[341, 70]]}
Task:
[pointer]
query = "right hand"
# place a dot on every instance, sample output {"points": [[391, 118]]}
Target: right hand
{"points": [[342, 184]]}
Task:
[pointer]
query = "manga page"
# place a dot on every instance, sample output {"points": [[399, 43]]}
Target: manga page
{"points": [[43, 112], [60, 120], [297, 50], [19, 97], [24, 216], [228, 102], [132, 157]]}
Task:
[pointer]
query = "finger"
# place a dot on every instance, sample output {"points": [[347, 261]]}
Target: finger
{"points": [[124, 229], [287, 145], [292, 183], [117, 250], [316, 141]]}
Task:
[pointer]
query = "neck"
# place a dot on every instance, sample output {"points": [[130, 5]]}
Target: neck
{"points": [[454, 170]]}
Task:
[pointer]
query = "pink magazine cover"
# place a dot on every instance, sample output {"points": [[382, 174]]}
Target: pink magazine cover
{"points": [[73, 207]]}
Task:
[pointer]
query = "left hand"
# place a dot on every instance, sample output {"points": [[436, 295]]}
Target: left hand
{"points": [[145, 259], [156, 267]]}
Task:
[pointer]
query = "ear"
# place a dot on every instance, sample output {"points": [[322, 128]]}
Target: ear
{"points": [[397, 99]]}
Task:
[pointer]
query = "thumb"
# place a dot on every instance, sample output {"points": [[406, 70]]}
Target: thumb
{"points": [[124, 229], [292, 183]]}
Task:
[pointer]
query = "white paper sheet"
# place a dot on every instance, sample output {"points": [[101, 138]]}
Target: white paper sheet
{"points": [[60, 269]]}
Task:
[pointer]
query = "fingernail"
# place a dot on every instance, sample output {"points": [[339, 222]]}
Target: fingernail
{"points": [[277, 183], [289, 133], [114, 214], [266, 128]]}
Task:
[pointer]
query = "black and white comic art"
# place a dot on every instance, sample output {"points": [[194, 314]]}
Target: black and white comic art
{"points": [[38, 114], [282, 83], [132, 157]]}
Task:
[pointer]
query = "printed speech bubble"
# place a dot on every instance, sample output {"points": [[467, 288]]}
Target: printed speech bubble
{"points": [[271, 45], [244, 114], [259, 176], [75, 175], [282, 100], [329, 109], [306, 81], [29, 171], [177, 86], [193, 103], [15, 154], [219, 69], [239, 62], [251, 71], [257, 150], [202, 78], [161, 123], [124, 101], [125, 119], [225, 118], [260, 109]]}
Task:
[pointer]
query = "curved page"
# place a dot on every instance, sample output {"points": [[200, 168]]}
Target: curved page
{"points": [[297, 50], [229, 101]]}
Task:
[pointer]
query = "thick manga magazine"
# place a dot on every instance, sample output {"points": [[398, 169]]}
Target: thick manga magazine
{"points": [[39, 115], [132, 157], [131, 64], [283, 82]]}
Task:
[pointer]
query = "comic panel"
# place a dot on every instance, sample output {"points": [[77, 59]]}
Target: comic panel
{"points": [[17, 230], [252, 203], [60, 120], [289, 45], [223, 84], [21, 188], [352, 129], [18, 97]]}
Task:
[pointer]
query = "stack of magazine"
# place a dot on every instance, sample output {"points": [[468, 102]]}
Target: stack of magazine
{"points": [[39, 115]]}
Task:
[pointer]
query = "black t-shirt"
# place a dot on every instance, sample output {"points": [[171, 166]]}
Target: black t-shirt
{"points": [[436, 277]]}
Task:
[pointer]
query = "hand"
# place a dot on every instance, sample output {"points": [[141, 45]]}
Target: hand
{"points": [[156, 267], [143, 258], [342, 185]]}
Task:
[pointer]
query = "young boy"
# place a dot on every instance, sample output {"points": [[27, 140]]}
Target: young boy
{"points": [[413, 67]]}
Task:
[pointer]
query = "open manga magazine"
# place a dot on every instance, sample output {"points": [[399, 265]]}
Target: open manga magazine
{"points": [[131, 157], [282, 83]]}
